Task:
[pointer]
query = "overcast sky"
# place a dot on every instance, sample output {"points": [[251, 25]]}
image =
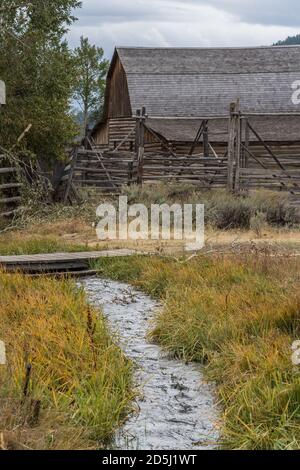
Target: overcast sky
{"points": [[108, 23]]}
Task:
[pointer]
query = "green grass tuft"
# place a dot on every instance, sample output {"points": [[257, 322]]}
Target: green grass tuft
{"points": [[79, 375], [238, 316]]}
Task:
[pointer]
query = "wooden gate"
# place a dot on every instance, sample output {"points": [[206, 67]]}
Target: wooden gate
{"points": [[201, 163], [254, 163]]}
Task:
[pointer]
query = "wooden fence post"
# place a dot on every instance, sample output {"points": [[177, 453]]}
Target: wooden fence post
{"points": [[245, 141], [238, 145], [205, 140], [137, 131], [231, 147], [141, 146], [234, 147]]}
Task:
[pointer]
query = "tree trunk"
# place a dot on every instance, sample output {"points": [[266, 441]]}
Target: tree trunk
{"points": [[85, 121]]}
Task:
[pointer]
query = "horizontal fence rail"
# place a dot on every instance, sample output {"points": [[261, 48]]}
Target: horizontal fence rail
{"points": [[93, 167], [10, 187], [225, 153]]}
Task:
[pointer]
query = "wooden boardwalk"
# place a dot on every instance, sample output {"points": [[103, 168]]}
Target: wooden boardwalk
{"points": [[56, 263]]}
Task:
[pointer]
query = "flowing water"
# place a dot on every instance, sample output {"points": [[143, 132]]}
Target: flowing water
{"points": [[176, 409]]}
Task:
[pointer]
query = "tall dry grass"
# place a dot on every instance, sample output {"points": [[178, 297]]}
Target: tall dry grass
{"points": [[66, 384], [239, 316]]}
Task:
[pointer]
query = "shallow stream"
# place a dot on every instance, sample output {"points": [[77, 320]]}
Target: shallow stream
{"points": [[176, 408]]}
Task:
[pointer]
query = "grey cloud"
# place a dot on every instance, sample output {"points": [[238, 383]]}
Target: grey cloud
{"points": [[270, 12], [120, 11], [185, 23]]}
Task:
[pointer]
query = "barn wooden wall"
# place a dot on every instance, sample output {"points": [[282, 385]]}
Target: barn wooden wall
{"points": [[117, 102], [113, 132], [110, 134]]}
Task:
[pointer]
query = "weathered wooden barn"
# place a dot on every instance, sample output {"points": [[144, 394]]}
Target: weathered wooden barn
{"points": [[179, 87], [181, 100]]}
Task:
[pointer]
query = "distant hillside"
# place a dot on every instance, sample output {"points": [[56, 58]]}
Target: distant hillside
{"points": [[290, 41]]}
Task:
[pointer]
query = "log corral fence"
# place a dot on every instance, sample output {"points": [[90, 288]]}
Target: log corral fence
{"points": [[10, 187], [105, 171], [10, 184], [227, 152]]}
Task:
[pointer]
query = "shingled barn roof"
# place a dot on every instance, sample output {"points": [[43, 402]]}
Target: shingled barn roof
{"points": [[271, 128], [180, 85], [203, 82]]}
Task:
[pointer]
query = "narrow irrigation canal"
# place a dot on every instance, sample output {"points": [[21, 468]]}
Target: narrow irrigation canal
{"points": [[176, 409]]}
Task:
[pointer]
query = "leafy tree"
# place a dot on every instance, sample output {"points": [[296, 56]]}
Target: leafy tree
{"points": [[90, 86], [39, 71]]}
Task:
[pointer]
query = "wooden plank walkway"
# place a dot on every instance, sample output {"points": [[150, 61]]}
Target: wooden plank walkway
{"points": [[58, 262]]}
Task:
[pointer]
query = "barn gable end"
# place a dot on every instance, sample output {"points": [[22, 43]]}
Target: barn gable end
{"points": [[118, 101]]}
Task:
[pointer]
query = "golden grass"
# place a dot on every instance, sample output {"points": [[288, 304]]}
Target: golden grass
{"points": [[73, 236], [238, 316], [62, 228], [29, 246], [79, 377]]}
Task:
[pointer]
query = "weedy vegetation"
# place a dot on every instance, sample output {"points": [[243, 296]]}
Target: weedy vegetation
{"points": [[66, 384], [239, 316], [223, 210]]}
